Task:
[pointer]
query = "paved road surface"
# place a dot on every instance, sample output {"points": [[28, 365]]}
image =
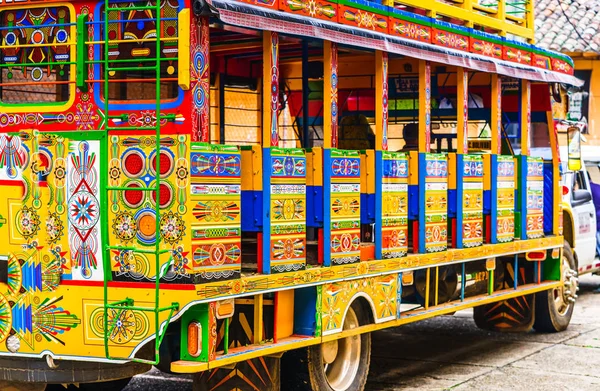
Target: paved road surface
{"points": [[451, 353]]}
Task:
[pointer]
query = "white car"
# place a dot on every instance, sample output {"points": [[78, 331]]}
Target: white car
{"points": [[579, 212]]}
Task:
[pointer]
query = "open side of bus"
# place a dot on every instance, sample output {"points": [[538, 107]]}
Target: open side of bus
{"points": [[231, 181]]}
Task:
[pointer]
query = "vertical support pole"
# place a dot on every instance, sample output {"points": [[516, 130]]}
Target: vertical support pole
{"points": [[381, 142], [305, 94], [462, 110], [490, 282], [424, 106], [525, 119], [330, 139], [468, 6], [437, 285], [381, 100], [216, 98], [270, 88], [221, 109], [270, 135], [330, 95], [516, 272], [399, 296], [501, 14], [427, 286], [463, 275], [258, 319], [496, 115], [530, 18], [201, 79], [226, 336]]}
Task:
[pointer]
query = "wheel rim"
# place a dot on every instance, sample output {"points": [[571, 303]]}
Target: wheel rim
{"points": [[565, 295], [341, 358]]}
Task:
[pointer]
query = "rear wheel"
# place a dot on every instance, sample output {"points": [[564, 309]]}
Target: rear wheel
{"points": [[554, 308], [340, 365]]}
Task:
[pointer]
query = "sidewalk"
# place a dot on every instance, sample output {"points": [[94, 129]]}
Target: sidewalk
{"points": [[452, 353]]}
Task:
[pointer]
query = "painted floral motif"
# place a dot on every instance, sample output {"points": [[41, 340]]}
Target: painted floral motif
{"points": [[172, 227], [124, 226], [28, 222], [54, 228]]}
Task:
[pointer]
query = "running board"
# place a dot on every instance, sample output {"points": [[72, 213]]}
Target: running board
{"points": [[294, 342]]}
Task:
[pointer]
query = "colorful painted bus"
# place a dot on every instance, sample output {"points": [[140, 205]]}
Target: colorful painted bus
{"points": [[204, 186]]}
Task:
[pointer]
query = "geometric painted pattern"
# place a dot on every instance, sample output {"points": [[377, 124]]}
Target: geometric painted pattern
{"points": [[345, 206], [505, 226], [395, 204], [435, 198], [535, 198], [288, 210], [133, 162], [471, 205], [216, 199], [380, 292]]}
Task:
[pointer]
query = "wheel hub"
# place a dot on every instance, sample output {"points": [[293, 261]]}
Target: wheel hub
{"points": [[330, 351], [341, 359], [565, 295]]}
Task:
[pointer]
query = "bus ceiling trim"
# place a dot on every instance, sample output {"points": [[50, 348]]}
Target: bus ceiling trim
{"points": [[255, 17]]}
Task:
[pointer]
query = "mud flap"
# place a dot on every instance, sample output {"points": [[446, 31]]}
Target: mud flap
{"points": [[512, 315], [262, 373]]}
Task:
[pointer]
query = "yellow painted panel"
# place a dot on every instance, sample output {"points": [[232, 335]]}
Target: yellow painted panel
{"points": [[183, 64], [452, 171], [314, 167], [284, 314]]}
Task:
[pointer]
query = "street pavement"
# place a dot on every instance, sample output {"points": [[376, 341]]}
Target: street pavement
{"points": [[450, 352]]}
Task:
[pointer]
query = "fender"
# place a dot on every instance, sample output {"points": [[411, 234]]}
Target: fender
{"points": [[569, 231]]}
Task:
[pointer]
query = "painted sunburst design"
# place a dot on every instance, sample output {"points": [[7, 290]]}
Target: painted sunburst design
{"points": [[84, 210], [216, 211], [288, 209]]}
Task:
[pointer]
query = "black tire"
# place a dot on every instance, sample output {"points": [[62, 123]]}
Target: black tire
{"points": [[553, 310], [305, 369]]}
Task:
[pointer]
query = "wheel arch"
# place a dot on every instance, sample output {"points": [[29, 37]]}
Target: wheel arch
{"points": [[569, 231], [365, 302]]}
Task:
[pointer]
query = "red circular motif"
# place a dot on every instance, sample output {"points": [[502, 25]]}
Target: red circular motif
{"points": [[112, 34], [37, 37], [166, 164], [171, 30], [133, 198], [166, 195], [133, 164]]}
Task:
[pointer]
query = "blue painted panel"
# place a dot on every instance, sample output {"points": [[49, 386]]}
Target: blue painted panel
{"points": [[413, 202], [367, 208], [548, 199], [314, 206], [252, 210], [305, 311], [452, 205], [487, 202]]}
